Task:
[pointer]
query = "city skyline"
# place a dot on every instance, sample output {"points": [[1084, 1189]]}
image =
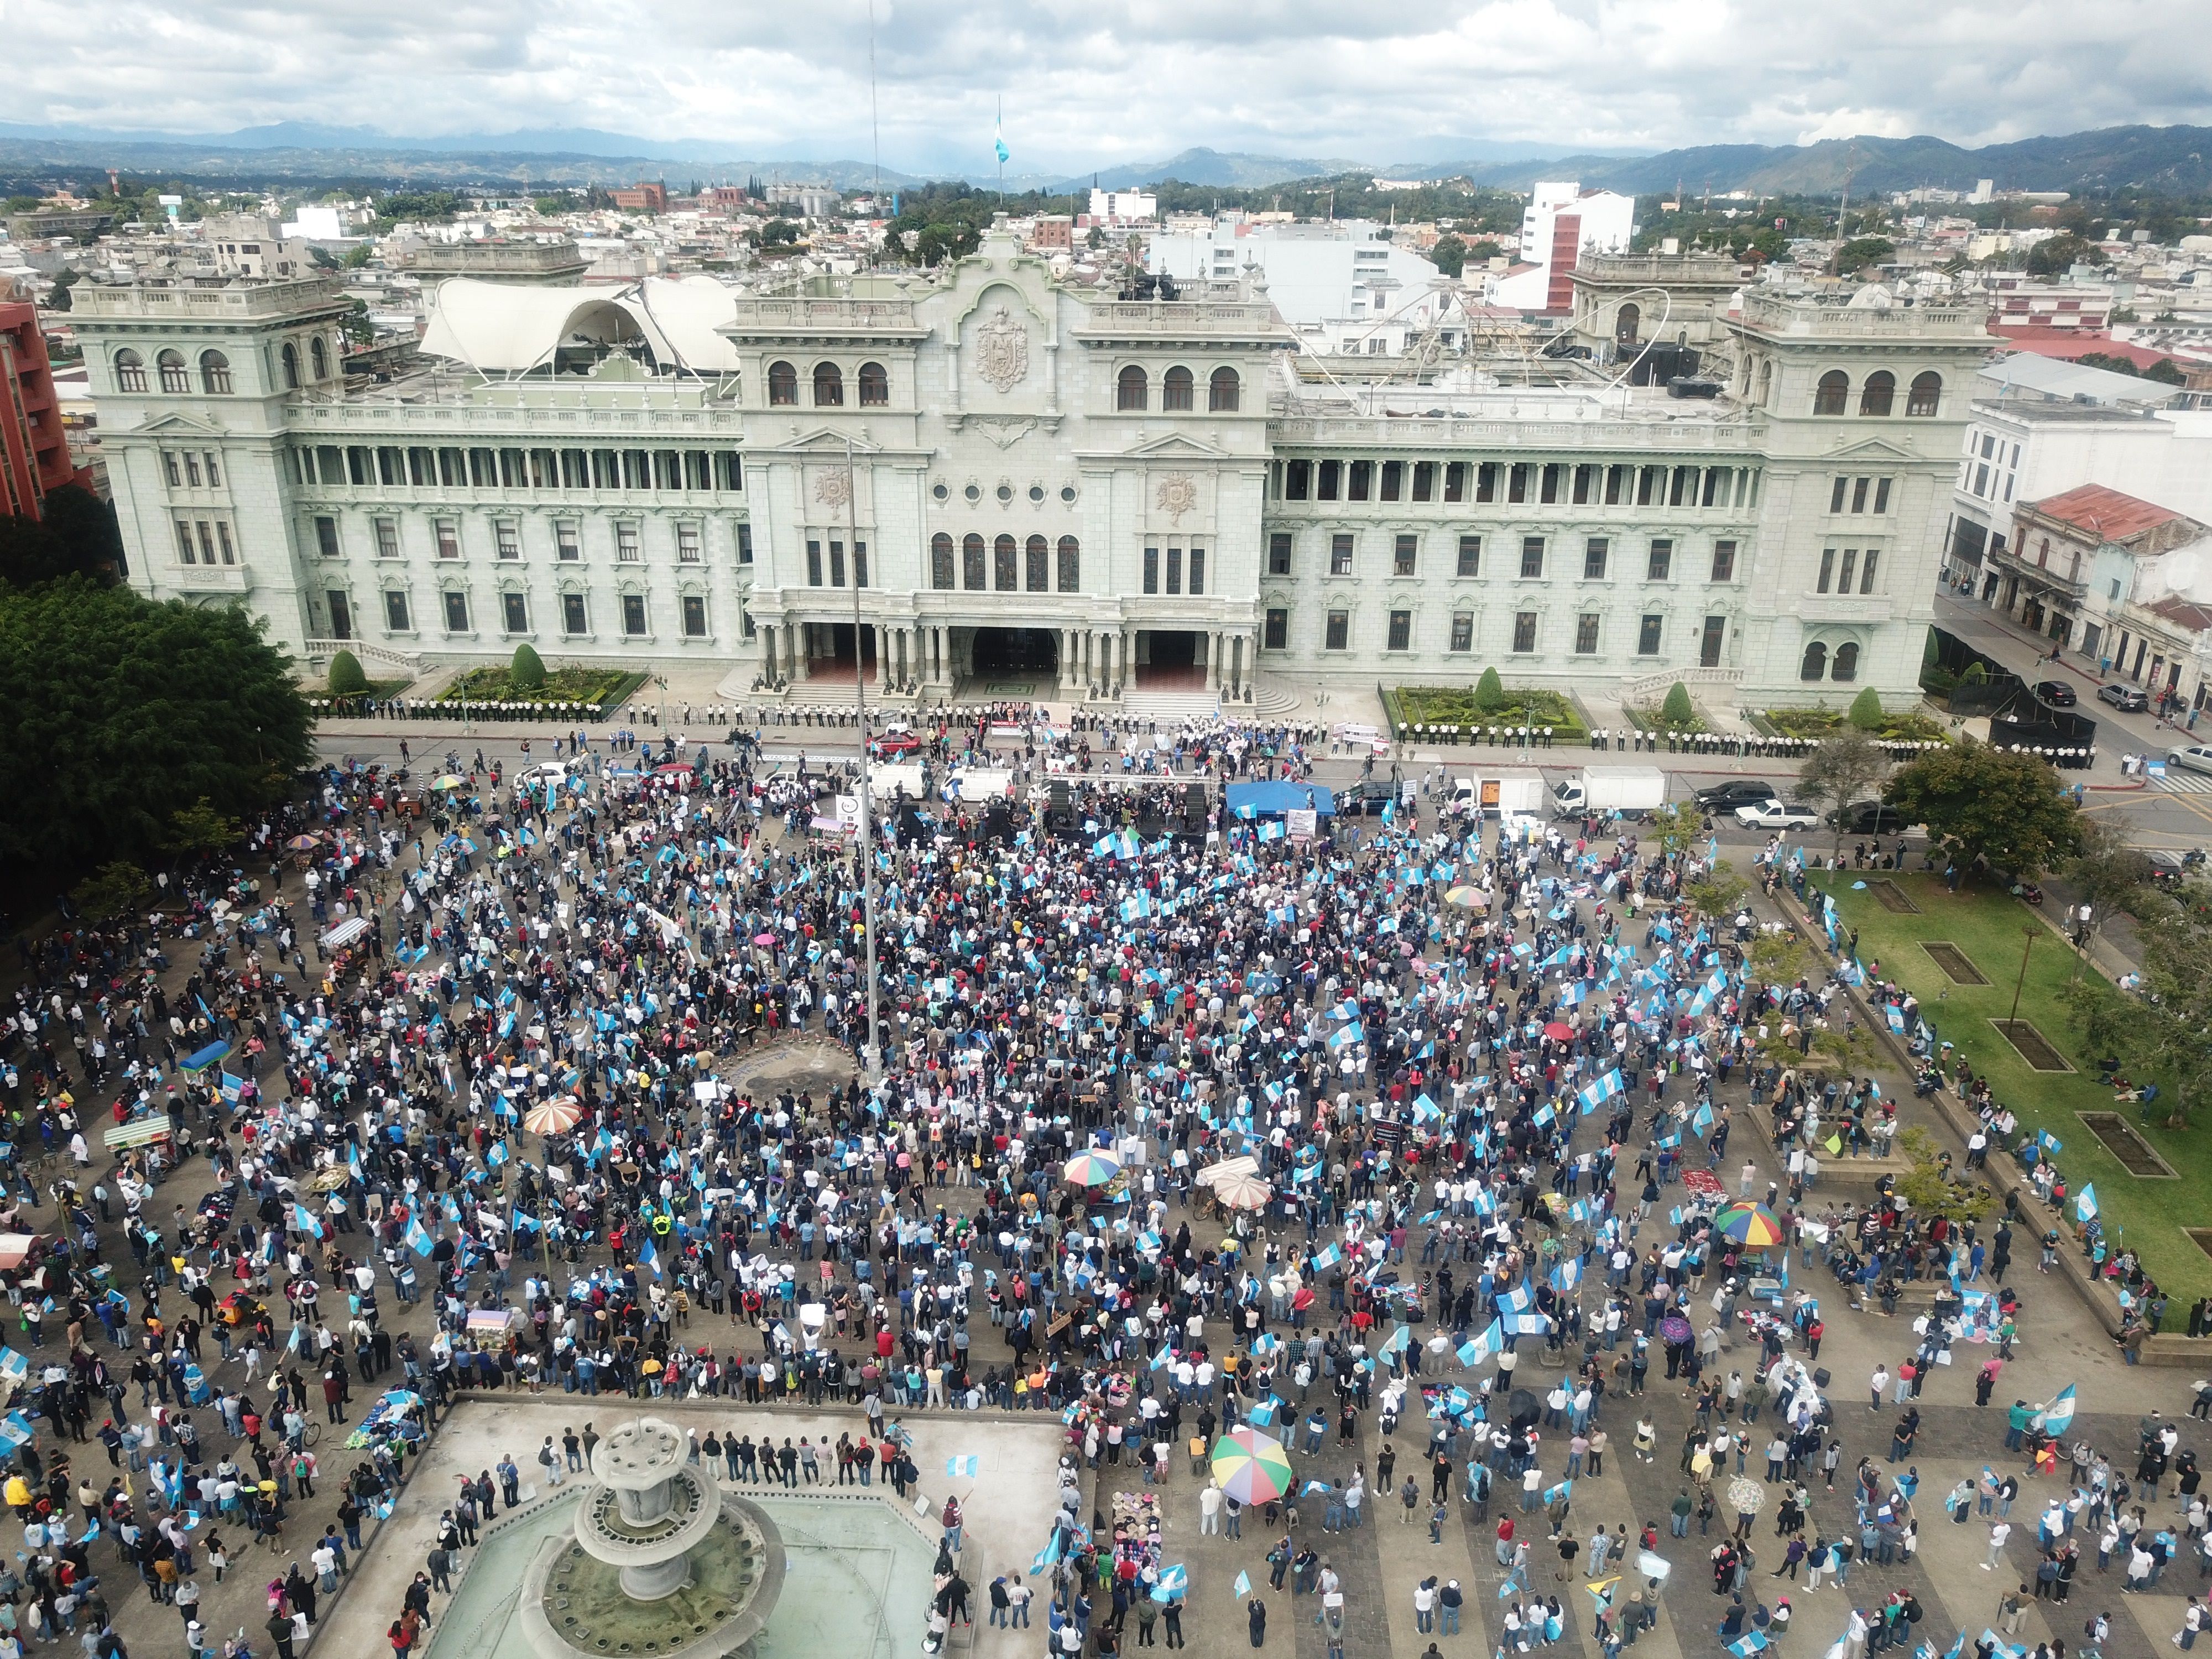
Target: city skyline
{"points": [[1122, 83]]}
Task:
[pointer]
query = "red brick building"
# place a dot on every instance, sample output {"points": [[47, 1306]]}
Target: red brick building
{"points": [[34, 456], [643, 197]]}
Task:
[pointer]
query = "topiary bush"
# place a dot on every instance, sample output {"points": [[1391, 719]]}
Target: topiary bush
{"points": [[1489, 692], [346, 678], [1866, 710], [1677, 712], [526, 672]]}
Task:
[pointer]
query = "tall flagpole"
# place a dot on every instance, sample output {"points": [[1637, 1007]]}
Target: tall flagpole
{"points": [[872, 1060]]}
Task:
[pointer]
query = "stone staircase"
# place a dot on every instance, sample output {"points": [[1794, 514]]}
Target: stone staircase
{"points": [[1169, 707]]}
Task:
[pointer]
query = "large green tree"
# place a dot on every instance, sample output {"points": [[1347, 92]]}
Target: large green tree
{"points": [[1983, 804], [1844, 769], [121, 713], [2171, 1036]]}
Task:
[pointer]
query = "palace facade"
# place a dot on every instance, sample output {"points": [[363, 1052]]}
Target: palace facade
{"points": [[1023, 481]]}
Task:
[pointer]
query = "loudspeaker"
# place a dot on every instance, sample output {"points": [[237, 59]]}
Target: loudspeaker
{"points": [[1194, 801], [1058, 796]]}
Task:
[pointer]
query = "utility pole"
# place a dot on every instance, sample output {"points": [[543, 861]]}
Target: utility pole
{"points": [[872, 1058], [2012, 1020]]}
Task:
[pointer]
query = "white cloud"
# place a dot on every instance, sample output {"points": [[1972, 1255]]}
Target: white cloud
{"points": [[1090, 82]]}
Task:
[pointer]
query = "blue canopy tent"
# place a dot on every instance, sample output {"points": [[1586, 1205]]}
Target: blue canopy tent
{"points": [[1271, 800], [206, 1057]]}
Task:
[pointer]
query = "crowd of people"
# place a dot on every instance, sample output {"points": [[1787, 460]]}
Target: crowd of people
{"points": [[1475, 1069]]}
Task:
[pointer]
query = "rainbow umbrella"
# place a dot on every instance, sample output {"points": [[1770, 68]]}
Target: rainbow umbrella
{"points": [[1089, 1169], [1252, 1467], [1750, 1224]]}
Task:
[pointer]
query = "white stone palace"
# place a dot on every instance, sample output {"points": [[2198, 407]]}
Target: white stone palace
{"points": [[1048, 484]]}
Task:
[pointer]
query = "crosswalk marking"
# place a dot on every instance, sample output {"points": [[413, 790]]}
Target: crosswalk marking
{"points": [[2179, 783]]}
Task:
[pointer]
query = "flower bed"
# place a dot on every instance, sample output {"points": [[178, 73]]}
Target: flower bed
{"points": [[589, 687], [1409, 706], [1817, 723]]}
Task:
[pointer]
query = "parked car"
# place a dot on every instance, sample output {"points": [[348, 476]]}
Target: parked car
{"points": [[1871, 818], [2056, 693], [1776, 815], [1367, 799], [892, 744], [1736, 792], [2195, 757], [546, 772], [2123, 696]]}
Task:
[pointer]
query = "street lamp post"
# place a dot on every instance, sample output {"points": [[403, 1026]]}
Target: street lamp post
{"points": [[872, 1057], [2012, 1018]]}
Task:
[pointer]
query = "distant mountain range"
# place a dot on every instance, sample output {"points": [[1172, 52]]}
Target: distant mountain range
{"points": [[2177, 159]]}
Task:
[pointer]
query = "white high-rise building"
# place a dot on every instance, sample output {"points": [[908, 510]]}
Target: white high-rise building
{"points": [[1561, 223]]}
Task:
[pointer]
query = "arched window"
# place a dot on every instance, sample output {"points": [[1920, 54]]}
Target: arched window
{"points": [[1223, 391], [174, 376], [1927, 394], [1765, 384], [215, 373], [940, 560], [875, 386], [1879, 393], [1037, 566], [1847, 662], [1131, 391], [319, 357], [1071, 566], [1625, 322], [129, 371], [1815, 665], [1002, 564], [829, 385], [782, 384], [971, 563], [1176, 389], [1834, 394], [290, 359]]}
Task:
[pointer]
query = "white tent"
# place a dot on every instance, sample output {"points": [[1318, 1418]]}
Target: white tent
{"points": [[500, 329]]}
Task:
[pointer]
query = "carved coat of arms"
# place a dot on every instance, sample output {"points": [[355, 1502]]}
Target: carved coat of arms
{"points": [[1178, 495], [1002, 351], [833, 489]]}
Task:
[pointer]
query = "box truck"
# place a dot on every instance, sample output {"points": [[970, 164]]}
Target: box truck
{"points": [[1629, 790]]}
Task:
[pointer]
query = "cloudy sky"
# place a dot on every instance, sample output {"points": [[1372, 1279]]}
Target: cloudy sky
{"points": [[1089, 82]]}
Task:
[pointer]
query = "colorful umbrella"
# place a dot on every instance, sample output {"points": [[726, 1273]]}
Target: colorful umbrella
{"points": [[555, 1117], [304, 843], [1242, 1192], [1252, 1467], [451, 780], [1675, 1328], [1752, 1224], [1559, 1032], [1468, 898], [1089, 1169]]}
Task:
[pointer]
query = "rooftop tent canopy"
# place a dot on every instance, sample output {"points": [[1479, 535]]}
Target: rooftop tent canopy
{"points": [[1271, 800], [500, 329]]}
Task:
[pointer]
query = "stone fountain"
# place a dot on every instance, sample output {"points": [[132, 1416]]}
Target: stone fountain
{"points": [[660, 1564]]}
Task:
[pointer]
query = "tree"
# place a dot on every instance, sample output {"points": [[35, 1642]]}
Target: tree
{"points": [[1676, 829], [1489, 692], [198, 830], [76, 537], [2099, 1015], [1866, 710], [1930, 1189], [1863, 250], [1449, 255], [119, 708], [527, 671], [1718, 891], [1677, 712], [2168, 1034], [1778, 958], [1986, 807], [2057, 255], [117, 888], [57, 297], [2106, 873], [1843, 770], [346, 679]]}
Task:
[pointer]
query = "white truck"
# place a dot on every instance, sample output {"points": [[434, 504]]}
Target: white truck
{"points": [[1625, 789], [1497, 795]]}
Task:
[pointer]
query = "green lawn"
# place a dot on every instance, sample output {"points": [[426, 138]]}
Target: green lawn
{"points": [[1988, 925], [1442, 705]]}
